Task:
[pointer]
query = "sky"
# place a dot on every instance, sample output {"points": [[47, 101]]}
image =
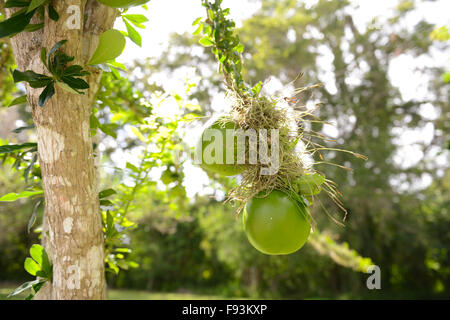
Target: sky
{"points": [[176, 16], [169, 16]]}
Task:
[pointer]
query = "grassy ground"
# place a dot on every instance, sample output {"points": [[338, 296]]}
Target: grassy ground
{"points": [[132, 295], [145, 295]]}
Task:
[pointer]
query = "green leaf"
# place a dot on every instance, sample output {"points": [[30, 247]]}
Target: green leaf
{"points": [[16, 4], [106, 193], [111, 45], [56, 47], [133, 264], [10, 197], [123, 4], [38, 253], [38, 286], [136, 18], [75, 83], [66, 87], [257, 88], [206, 42], [189, 117], [35, 288], [40, 83], [58, 63], [15, 24], [32, 267], [52, 13], [93, 121], [44, 56], [75, 71], [34, 4], [117, 65], [8, 148], [25, 286], [197, 21], [113, 268], [133, 34], [115, 73], [34, 27], [239, 48], [20, 129], [19, 100], [309, 184], [26, 173], [138, 134], [108, 129], [28, 76], [34, 79], [198, 30], [109, 224], [132, 167], [30, 297], [105, 202], [33, 216], [46, 94], [446, 77]]}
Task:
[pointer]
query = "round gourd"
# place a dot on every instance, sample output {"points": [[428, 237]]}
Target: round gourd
{"points": [[208, 161], [275, 224]]}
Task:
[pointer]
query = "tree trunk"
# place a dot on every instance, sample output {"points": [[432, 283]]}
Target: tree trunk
{"points": [[72, 233]]}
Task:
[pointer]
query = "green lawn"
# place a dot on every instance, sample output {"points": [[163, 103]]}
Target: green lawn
{"points": [[145, 295], [132, 295]]}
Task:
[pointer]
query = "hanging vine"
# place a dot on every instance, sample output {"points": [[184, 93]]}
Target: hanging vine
{"points": [[297, 176]]}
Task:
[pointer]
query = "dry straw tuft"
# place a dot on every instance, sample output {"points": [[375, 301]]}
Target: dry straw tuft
{"points": [[297, 147]]}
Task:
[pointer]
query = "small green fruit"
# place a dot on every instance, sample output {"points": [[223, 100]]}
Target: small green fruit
{"points": [[275, 224], [205, 146]]}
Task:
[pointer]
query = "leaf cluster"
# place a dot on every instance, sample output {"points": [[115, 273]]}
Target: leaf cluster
{"points": [[67, 77], [218, 32], [114, 228], [20, 21], [138, 21], [38, 265], [19, 154]]}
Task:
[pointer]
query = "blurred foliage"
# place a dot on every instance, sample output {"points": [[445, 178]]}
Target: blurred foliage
{"points": [[14, 238], [168, 241], [7, 87], [386, 221], [443, 35]]}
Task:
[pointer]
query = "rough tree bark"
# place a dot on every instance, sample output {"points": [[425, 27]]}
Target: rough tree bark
{"points": [[72, 232]]}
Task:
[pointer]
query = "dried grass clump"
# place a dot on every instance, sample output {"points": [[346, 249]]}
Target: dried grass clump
{"points": [[263, 112]]}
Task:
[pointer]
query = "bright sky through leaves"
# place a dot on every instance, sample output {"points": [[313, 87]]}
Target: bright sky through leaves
{"points": [[166, 17]]}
